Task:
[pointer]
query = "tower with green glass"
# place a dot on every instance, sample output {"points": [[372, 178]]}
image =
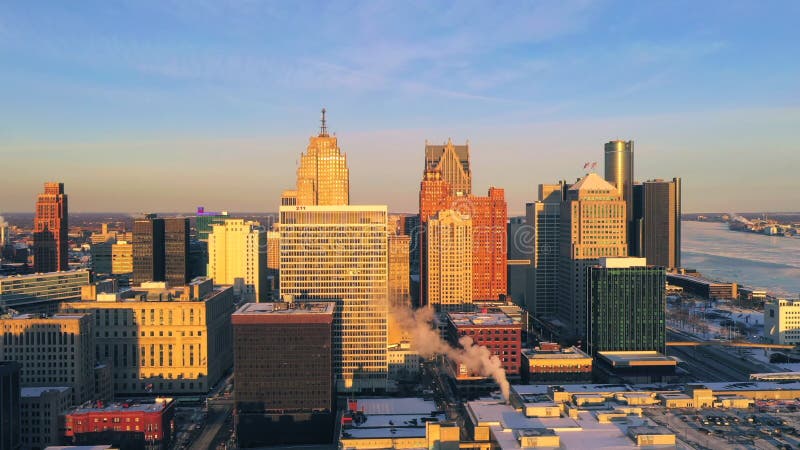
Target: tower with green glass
{"points": [[626, 306]]}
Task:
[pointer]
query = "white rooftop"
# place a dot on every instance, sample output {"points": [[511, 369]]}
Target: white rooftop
{"points": [[38, 391]]}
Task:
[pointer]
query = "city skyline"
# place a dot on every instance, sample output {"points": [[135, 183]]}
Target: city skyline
{"points": [[205, 87]]}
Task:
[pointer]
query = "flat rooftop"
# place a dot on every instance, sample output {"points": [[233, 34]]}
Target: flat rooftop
{"points": [[481, 319], [52, 317], [637, 359], [38, 391], [158, 405], [562, 353], [280, 308]]}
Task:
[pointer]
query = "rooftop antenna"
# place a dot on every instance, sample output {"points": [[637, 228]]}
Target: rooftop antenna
{"points": [[323, 129]]}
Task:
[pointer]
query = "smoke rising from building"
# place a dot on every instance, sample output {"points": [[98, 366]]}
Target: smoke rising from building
{"points": [[426, 340]]}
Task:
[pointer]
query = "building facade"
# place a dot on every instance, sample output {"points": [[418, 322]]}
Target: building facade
{"points": [[42, 415], [10, 424], [452, 162], [449, 266], [122, 258], [593, 225], [544, 219], [176, 251], [549, 363], [50, 228], [126, 426], [493, 329], [489, 242], [42, 292], [435, 195], [163, 340], [205, 219], [657, 222], [323, 177], [284, 373], [399, 276], [340, 253], [627, 306], [52, 351], [619, 171], [148, 249], [237, 255], [782, 321]]}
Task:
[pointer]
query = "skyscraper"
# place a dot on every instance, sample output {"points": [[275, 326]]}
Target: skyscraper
{"points": [[148, 249], [237, 256], [449, 265], [489, 242], [399, 276], [452, 161], [657, 222], [627, 303], [619, 169], [176, 251], [544, 219], [323, 177], [10, 423], [435, 195], [340, 253], [205, 219], [50, 228], [593, 225]]}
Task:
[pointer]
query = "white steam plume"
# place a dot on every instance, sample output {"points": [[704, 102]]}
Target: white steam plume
{"points": [[427, 342]]}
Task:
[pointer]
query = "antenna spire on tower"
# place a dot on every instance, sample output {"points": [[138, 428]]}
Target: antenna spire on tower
{"points": [[323, 129]]}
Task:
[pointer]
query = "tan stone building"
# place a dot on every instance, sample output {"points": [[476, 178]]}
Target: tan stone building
{"points": [[237, 255], [399, 276], [449, 264], [593, 225], [323, 177], [160, 340], [52, 351], [452, 161]]}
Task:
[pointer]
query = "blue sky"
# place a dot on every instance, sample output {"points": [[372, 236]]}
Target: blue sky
{"points": [[167, 105]]}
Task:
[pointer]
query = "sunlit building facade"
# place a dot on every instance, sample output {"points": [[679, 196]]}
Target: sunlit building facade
{"points": [[449, 265], [237, 256], [340, 253], [323, 177], [50, 228]]}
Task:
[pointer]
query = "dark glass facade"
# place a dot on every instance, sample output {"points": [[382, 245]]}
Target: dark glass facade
{"points": [[148, 250], [9, 406], [176, 251], [627, 308]]}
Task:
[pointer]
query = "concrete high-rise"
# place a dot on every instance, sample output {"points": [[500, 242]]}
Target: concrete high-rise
{"points": [[452, 161], [122, 258], [627, 306], [593, 225], [449, 265], [657, 222], [50, 228], [619, 170], [323, 177], [237, 256], [544, 219], [176, 251], [340, 253], [284, 373], [148, 249], [10, 408]]}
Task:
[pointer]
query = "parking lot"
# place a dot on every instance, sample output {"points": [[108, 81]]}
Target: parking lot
{"points": [[733, 429]]}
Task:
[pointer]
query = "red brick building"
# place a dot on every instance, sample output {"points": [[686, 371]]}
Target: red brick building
{"points": [[50, 228], [125, 426], [492, 329]]}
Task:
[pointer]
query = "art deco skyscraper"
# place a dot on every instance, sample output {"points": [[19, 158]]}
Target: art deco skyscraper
{"points": [[237, 256], [452, 162], [434, 195], [50, 228], [340, 253], [449, 265], [323, 177], [619, 170], [489, 242], [593, 225]]}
